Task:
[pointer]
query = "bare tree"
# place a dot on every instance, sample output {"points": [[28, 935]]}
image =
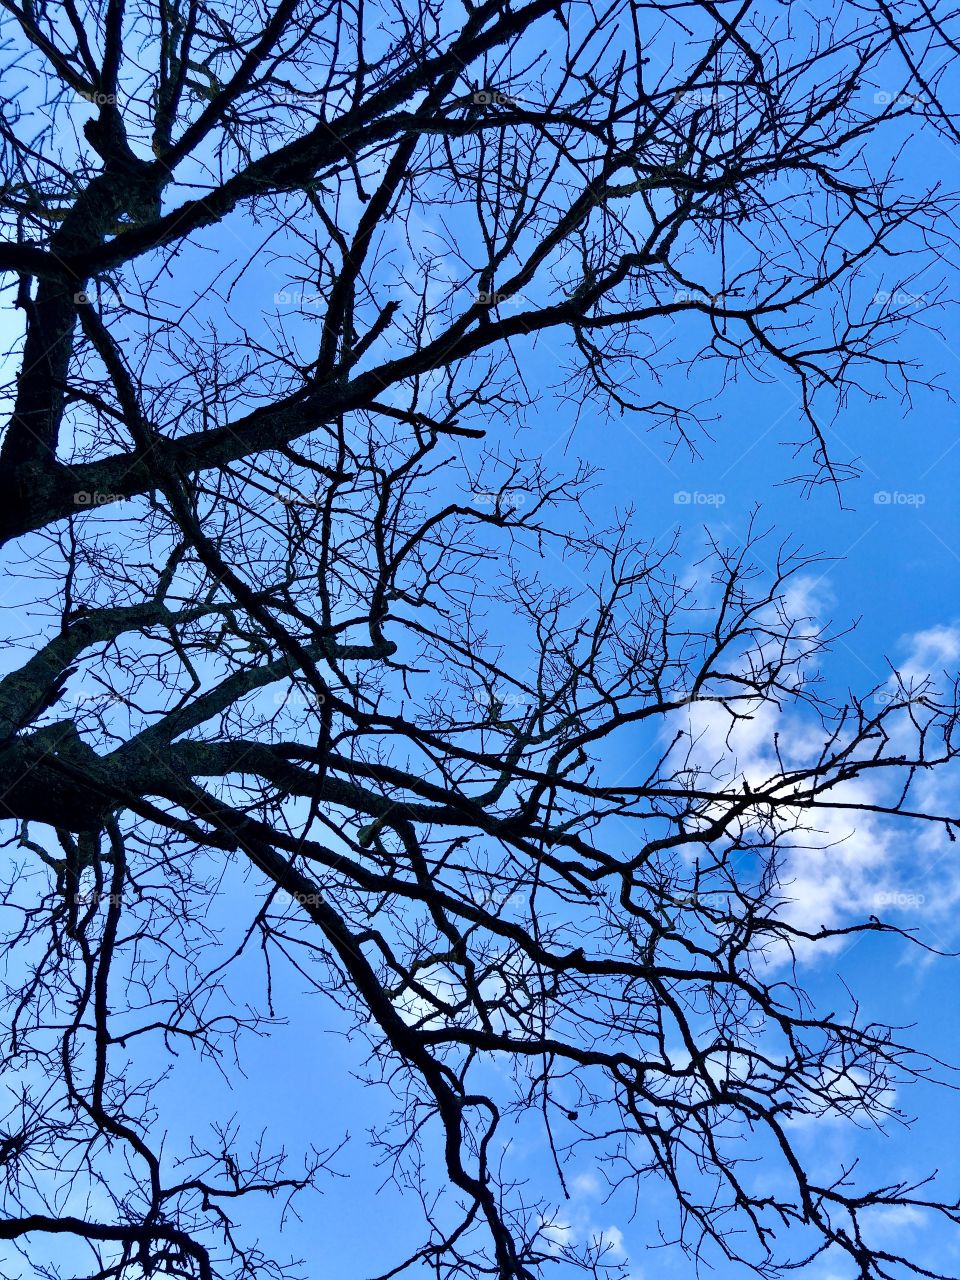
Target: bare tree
{"points": [[281, 273]]}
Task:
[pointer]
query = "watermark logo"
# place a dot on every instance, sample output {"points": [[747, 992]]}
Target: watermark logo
{"points": [[894, 498], [299, 298], [297, 698], [493, 98], [694, 498], [86, 498], [923, 697], [496, 898], [500, 702], [307, 899], [887, 698], [696, 97], [296, 97], [93, 899], [898, 298], [686, 901], [293, 498], [895, 899], [697, 295], [81, 697], [498, 501], [886, 98]]}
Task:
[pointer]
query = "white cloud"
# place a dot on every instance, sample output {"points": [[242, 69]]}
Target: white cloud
{"points": [[558, 1236], [841, 866], [931, 651], [576, 1224], [610, 1241], [586, 1185], [891, 1220]]}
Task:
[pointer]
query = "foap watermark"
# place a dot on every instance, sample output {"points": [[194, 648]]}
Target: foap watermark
{"points": [[904, 98], [307, 899], [895, 898], [694, 498], [83, 697], [94, 498], [294, 498], [296, 97], [500, 899], [99, 99], [494, 98], [299, 298], [489, 500], [501, 701], [296, 697], [106, 293], [898, 298], [495, 298], [904, 697], [680, 901], [887, 697], [894, 498], [698, 295], [696, 97], [95, 899]]}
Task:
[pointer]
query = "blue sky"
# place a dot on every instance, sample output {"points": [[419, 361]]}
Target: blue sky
{"points": [[892, 543], [895, 568], [893, 565]]}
